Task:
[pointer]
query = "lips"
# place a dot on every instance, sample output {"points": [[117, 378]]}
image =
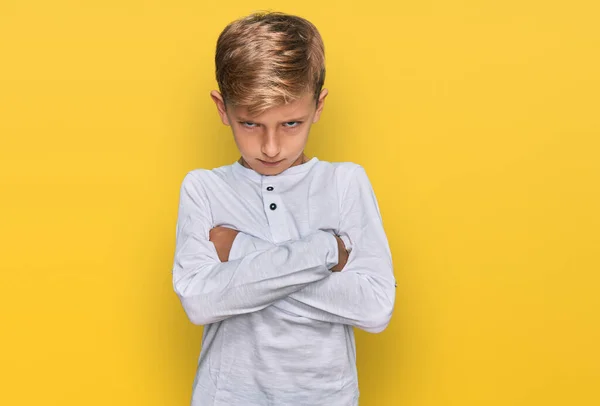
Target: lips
{"points": [[270, 163]]}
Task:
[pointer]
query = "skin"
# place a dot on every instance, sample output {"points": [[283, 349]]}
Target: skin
{"points": [[278, 134], [222, 238]]}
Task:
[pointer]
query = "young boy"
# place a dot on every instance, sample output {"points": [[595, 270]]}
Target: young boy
{"points": [[277, 255]]}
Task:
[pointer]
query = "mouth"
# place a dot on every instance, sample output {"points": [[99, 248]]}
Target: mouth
{"points": [[266, 163]]}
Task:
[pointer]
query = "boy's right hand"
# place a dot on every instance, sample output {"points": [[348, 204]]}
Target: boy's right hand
{"points": [[342, 255], [222, 238]]}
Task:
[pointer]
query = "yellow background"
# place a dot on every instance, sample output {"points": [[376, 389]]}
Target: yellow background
{"points": [[477, 121]]}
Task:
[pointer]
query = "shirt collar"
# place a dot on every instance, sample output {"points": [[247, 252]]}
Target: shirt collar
{"points": [[293, 170]]}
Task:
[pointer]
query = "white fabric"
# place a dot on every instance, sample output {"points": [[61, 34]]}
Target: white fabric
{"points": [[278, 323]]}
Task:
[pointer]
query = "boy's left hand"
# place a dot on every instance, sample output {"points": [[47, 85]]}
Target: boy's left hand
{"points": [[222, 238]]}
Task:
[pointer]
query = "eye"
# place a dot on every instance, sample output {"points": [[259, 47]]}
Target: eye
{"points": [[292, 124], [248, 124]]}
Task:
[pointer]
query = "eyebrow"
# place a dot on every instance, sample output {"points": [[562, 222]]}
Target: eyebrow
{"points": [[244, 120]]}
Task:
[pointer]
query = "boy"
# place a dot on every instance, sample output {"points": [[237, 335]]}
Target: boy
{"points": [[277, 255]]}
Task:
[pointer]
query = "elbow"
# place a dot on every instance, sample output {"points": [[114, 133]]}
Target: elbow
{"points": [[192, 307], [380, 308], [378, 321], [196, 317], [379, 315], [195, 306], [200, 312]]}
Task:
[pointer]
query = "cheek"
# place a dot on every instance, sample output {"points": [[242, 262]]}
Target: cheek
{"points": [[295, 140], [243, 141], [302, 135]]}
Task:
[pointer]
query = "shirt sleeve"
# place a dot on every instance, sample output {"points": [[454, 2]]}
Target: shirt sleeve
{"points": [[363, 293], [211, 290]]}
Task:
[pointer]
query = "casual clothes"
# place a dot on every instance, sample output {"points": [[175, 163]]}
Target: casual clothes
{"points": [[278, 324]]}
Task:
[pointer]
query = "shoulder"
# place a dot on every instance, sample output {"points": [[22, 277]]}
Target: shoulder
{"points": [[204, 183], [345, 173], [195, 176], [194, 182], [340, 169], [350, 179], [207, 176]]}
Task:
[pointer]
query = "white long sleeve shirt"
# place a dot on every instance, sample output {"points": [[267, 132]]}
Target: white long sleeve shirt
{"points": [[278, 324]]}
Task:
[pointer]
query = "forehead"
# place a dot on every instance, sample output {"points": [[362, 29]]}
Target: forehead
{"points": [[296, 109]]}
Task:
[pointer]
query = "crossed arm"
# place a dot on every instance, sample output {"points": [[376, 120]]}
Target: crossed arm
{"points": [[223, 238], [295, 276], [340, 298]]}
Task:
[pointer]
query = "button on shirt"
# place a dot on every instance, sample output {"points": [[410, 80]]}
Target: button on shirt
{"points": [[278, 323]]}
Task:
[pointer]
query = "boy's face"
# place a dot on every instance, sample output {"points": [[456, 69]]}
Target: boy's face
{"points": [[277, 135]]}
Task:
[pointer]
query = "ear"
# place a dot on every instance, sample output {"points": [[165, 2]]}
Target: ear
{"points": [[320, 104], [220, 103]]}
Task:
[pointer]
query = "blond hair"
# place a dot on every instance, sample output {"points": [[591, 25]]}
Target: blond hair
{"points": [[268, 59]]}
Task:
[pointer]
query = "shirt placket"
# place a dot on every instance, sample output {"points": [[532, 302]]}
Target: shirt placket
{"points": [[275, 210]]}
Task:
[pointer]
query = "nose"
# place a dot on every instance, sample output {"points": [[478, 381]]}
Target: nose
{"points": [[271, 146]]}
